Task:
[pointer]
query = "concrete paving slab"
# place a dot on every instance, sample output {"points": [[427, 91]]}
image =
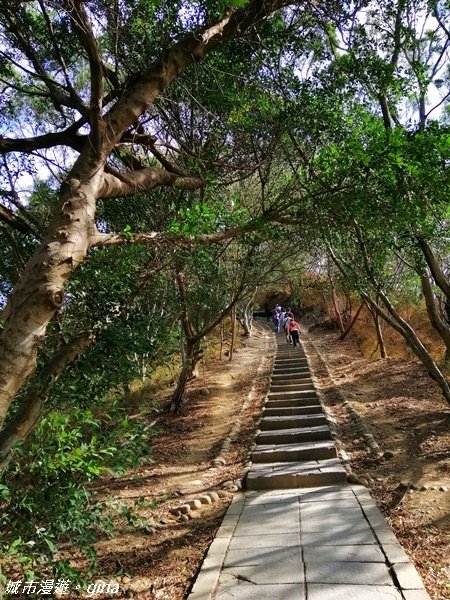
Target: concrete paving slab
{"points": [[351, 592], [269, 497], [269, 558], [340, 505], [327, 494], [407, 576], [262, 574], [270, 511], [253, 528], [344, 537], [333, 520], [350, 553], [253, 518], [284, 591], [274, 540], [354, 573], [395, 553], [208, 577], [225, 531]]}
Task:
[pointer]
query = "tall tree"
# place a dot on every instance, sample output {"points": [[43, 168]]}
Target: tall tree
{"points": [[99, 91]]}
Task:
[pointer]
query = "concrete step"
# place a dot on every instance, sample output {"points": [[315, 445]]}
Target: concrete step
{"points": [[289, 370], [292, 383], [291, 375], [299, 451], [306, 384], [286, 360], [263, 476], [290, 422], [290, 436], [310, 400], [311, 393], [289, 358], [281, 411]]}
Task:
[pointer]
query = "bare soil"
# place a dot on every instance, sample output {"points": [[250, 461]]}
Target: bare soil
{"points": [[398, 402]]}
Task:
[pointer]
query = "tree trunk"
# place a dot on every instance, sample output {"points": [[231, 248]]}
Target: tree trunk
{"points": [[392, 317], [335, 306], [437, 273], [378, 331], [39, 293], [353, 321], [25, 418], [233, 332], [247, 316], [190, 358], [433, 313]]}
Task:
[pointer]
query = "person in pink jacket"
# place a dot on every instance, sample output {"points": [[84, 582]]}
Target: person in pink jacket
{"points": [[294, 332]]}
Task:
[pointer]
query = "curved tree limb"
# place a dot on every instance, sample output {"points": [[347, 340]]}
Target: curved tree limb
{"points": [[118, 184]]}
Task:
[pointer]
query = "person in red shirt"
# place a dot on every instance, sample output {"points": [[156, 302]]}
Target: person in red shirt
{"points": [[294, 331]]}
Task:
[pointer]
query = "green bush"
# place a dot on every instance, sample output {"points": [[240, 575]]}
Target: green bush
{"points": [[45, 500]]}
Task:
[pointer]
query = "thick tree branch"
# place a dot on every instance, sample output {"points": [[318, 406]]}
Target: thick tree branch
{"points": [[118, 184], [67, 137], [157, 238], [15, 221], [147, 86]]}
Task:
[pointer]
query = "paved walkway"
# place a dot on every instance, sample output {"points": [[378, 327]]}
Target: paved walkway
{"points": [[301, 532]]}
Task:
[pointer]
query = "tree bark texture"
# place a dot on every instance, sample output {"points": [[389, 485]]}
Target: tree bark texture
{"points": [[39, 293], [380, 340]]}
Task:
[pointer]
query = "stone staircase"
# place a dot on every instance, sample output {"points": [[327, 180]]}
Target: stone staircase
{"points": [[294, 447]]}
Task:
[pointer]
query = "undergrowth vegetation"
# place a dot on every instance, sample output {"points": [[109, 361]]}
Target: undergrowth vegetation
{"points": [[46, 501]]}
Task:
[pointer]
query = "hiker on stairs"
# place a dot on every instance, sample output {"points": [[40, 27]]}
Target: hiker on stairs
{"points": [[294, 331]]}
